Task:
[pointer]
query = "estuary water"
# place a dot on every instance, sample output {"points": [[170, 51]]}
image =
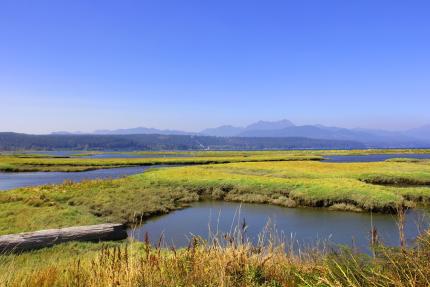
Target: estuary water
{"points": [[11, 180], [131, 155], [300, 226], [107, 154], [336, 158], [372, 157]]}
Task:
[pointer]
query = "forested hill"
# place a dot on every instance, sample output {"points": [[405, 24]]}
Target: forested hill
{"points": [[15, 141]]}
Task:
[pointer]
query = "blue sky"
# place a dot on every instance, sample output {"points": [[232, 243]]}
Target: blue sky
{"points": [[85, 65]]}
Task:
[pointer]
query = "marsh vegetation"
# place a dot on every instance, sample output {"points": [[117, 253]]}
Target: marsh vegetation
{"points": [[227, 261], [286, 179], [289, 180]]}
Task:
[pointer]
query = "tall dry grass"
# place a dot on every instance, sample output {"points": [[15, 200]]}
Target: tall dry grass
{"points": [[232, 260]]}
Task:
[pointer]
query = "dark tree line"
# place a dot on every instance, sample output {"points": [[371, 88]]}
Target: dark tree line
{"points": [[16, 141]]}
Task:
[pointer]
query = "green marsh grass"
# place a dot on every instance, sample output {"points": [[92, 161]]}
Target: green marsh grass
{"points": [[276, 152], [317, 184], [19, 164]]}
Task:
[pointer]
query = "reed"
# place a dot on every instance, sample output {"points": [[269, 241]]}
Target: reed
{"points": [[223, 260]]}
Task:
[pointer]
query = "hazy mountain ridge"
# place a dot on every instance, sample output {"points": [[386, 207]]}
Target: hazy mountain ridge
{"points": [[421, 132], [229, 131], [417, 137], [284, 128], [331, 133], [267, 125], [223, 131]]}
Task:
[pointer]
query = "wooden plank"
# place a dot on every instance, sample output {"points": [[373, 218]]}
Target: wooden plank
{"points": [[46, 238]]}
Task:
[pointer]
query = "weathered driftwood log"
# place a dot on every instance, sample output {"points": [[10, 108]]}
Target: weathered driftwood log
{"points": [[46, 238]]}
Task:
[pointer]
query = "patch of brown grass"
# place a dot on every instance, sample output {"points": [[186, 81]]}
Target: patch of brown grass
{"points": [[230, 261]]}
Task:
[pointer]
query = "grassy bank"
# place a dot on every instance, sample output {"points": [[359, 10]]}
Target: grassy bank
{"points": [[88, 202], [26, 164], [233, 263], [270, 152], [379, 186]]}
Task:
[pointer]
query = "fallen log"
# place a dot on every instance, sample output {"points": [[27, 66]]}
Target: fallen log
{"points": [[46, 238]]}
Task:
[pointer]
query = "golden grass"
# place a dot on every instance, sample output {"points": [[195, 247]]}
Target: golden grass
{"points": [[234, 263]]}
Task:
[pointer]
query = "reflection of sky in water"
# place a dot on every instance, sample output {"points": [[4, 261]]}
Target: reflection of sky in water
{"points": [[113, 155], [372, 157], [102, 155], [11, 180], [305, 225]]}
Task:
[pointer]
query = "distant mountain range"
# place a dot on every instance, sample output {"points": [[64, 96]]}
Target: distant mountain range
{"points": [[421, 133], [230, 131], [418, 137]]}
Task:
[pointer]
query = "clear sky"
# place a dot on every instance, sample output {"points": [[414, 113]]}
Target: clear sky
{"points": [[95, 64]]}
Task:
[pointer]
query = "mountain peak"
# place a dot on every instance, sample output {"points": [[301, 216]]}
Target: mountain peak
{"points": [[267, 125]]}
